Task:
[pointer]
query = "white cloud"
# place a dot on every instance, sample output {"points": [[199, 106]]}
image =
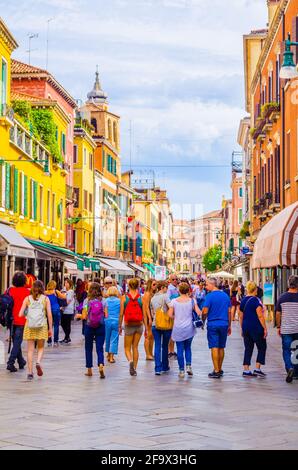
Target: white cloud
{"points": [[170, 66]]}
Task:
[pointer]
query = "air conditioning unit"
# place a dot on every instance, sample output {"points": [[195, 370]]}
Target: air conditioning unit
{"points": [[98, 251]]}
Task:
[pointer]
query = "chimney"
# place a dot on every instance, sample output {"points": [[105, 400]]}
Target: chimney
{"points": [[272, 7]]}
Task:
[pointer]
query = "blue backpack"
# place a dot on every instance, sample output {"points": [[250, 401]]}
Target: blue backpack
{"points": [[6, 307]]}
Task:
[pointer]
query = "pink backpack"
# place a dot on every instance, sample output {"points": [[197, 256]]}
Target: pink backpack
{"points": [[95, 313]]}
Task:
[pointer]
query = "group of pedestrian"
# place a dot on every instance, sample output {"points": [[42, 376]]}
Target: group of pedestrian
{"points": [[168, 313]]}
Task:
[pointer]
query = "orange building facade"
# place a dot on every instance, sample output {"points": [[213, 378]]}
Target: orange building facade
{"points": [[274, 120]]}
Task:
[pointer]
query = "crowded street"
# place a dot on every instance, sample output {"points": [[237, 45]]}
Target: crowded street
{"points": [[149, 230], [65, 409]]}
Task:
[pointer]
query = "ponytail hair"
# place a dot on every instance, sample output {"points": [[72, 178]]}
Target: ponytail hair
{"points": [[37, 289]]}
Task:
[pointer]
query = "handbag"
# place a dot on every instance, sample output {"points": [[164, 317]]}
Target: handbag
{"points": [[162, 320], [196, 320]]}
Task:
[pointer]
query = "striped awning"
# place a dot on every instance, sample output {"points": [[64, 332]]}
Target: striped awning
{"points": [[277, 243]]}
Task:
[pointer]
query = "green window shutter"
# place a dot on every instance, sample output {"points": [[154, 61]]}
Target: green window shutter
{"points": [[25, 196], [7, 186], [16, 190], [35, 189]]}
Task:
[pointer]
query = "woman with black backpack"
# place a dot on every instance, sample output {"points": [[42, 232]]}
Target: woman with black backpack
{"points": [[132, 311], [93, 313]]}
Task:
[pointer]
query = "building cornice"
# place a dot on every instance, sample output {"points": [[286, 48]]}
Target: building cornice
{"points": [[7, 37], [268, 43], [81, 132]]}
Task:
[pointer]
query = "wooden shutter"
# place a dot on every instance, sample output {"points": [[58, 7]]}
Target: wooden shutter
{"points": [[16, 190], [35, 190], [295, 37], [25, 196], [7, 186]]}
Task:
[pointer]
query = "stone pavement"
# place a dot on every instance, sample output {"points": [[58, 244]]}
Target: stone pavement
{"points": [[66, 410]]}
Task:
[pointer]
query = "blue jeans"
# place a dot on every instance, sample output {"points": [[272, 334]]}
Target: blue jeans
{"points": [[184, 349], [287, 341], [56, 323], [97, 334], [161, 349], [112, 336], [16, 352]]}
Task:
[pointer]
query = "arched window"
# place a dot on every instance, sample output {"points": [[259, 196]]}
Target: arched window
{"points": [[185, 268], [94, 124], [178, 254], [115, 135], [185, 254], [109, 130], [178, 267]]}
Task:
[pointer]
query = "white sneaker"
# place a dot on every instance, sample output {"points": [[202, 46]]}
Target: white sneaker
{"points": [[181, 374], [189, 371]]}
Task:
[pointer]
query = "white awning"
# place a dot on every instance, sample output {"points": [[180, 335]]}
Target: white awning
{"points": [[13, 244], [72, 268], [277, 243], [136, 267], [115, 266], [223, 274]]}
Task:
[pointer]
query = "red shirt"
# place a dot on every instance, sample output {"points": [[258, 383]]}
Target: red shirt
{"points": [[18, 294]]}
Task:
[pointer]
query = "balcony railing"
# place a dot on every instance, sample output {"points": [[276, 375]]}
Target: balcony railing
{"points": [[6, 111], [22, 139]]}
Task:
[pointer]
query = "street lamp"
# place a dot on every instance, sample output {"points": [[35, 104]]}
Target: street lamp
{"points": [[289, 69]]}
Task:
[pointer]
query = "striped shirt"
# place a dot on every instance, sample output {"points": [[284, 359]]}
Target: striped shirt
{"points": [[287, 304]]}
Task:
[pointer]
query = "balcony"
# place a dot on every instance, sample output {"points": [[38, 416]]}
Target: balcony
{"points": [[32, 148], [269, 114], [83, 124], [6, 115]]}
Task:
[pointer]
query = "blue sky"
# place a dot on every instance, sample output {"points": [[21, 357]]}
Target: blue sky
{"points": [[174, 68]]}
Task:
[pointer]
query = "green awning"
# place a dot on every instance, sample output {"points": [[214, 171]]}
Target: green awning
{"points": [[150, 268], [80, 264], [95, 264], [49, 246]]}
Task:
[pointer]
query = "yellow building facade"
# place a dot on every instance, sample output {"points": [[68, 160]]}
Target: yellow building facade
{"points": [[84, 147], [32, 183]]}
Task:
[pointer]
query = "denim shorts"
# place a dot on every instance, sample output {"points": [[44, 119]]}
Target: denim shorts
{"points": [[217, 336]]}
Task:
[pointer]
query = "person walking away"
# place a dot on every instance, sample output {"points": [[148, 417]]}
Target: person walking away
{"points": [[68, 311], [112, 313], [38, 327], [53, 295], [107, 283], [254, 330], [173, 293], [287, 327], [134, 320], [217, 310], [162, 327], [81, 293], [181, 309], [234, 292], [146, 299], [18, 292], [93, 313]]}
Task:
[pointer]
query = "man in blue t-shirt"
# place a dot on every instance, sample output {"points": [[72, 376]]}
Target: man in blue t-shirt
{"points": [[217, 310]]}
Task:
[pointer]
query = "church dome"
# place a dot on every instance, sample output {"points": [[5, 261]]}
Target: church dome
{"points": [[97, 95]]}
